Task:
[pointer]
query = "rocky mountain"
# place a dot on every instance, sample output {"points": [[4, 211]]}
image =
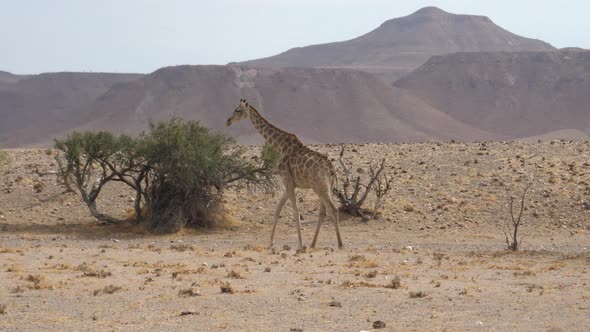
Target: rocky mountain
{"points": [[514, 95], [400, 45], [319, 105], [34, 107]]}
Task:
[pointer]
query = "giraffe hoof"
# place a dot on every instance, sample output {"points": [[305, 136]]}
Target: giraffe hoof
{"points": [[302, 250]]}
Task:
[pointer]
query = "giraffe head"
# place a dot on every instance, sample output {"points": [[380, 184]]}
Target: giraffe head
{"points": [[241, 112]]}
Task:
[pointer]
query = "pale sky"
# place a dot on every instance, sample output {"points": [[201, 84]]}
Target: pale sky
{"points": [[143, 35]]}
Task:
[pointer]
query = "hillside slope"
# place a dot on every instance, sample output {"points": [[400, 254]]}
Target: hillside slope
{"points": [[512, 94], [36, 106], [400, 45], [319, 105]]}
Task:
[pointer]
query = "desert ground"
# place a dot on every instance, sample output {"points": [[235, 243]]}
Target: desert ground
{"points": [[435, 258]]}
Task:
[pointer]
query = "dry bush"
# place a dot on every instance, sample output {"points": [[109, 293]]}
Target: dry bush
{"points": [[511, 226], [355, 191], [226, 288], [395, 283], [97, 274], [38, 282], [417, 294], [110, 289], [234, 275], [182, 247], [188, 293]]}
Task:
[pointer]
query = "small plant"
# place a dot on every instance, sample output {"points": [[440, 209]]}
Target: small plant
{"points": [[97, 274], [234, 275], [182, 247], [110, 289], [226, 288], [188, 292], [511, 226], [396, 283], [2, 309], [417, 294]]}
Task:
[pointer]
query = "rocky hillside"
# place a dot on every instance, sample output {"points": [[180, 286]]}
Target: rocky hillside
{"points": [[35, 107], [512, 94], [319, 105], [402, 44]]}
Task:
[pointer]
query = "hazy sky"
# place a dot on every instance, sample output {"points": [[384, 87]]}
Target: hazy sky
{"points": [[143, 35]]}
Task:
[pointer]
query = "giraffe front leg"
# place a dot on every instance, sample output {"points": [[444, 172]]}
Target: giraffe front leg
{"points": [[296, 216], [277, 214], [320, 221]]}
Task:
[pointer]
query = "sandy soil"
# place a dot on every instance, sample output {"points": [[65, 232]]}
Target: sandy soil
{"points": [[434, 260]]}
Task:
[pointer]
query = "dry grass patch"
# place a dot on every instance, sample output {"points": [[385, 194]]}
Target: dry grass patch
{"points": [[257, 248], [555, 267], [38, 282], [357, 284], [110, 289], [14, 268], [526, 273], [371, 274], [234, 275], [395, 283], [360, 261], [182, 247], [189, 292], [226, 288], [417, 294], [4, 250]]}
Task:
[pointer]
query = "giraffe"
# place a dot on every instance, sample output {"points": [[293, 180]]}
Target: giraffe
{"points": [[299, 167]]}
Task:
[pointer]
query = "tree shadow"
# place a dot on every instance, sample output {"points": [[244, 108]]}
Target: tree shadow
{"points": [[90, 230]]}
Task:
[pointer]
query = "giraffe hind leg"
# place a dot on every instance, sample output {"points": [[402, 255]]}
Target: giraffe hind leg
{"points": [[277, 214], [320, 221], [331, 207]]}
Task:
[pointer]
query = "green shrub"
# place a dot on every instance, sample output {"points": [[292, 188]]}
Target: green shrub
{"points": [[178, 170]]}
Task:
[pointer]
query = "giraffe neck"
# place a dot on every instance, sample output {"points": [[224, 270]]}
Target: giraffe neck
{"points": [[279, 139]]}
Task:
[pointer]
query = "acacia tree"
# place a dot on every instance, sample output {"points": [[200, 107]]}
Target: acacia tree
{"points": [[178, 171], [93, 160]]}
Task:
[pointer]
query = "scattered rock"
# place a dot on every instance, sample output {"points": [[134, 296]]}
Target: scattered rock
{"points": [[188, 292], [336, 304], [378, 324]]}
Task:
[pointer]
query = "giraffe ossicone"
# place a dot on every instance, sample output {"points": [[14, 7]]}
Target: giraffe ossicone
{"points": [[299, 167]]}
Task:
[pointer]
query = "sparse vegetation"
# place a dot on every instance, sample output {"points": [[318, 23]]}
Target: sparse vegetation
{"points": [[226, 288], [511, 226], [3, 158], [396, 283], [355, 191], [178, 170], [189, 292], [416, 294], [234, 275], [110, 289]]}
